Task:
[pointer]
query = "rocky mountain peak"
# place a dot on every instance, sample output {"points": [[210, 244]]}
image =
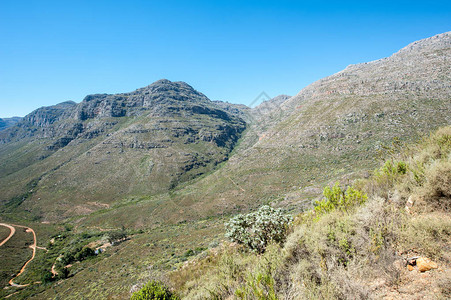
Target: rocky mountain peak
{"points": [[164, 85], [48, 114], [421, 67], [436, 42], [156, 97]]}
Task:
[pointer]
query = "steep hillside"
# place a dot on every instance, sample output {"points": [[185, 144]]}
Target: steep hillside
{"points": [[386, 237], [335, 128], [72, 159]]}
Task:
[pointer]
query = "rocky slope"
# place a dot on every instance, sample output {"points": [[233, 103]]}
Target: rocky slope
{"points": [[107, 147]]}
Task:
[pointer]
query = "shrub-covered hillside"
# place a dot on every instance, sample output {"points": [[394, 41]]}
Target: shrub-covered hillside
{"points": [[386, 236]]}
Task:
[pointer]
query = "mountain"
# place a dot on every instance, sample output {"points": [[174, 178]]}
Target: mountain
{"points": [[82, 157], [8, 122], [335, 129]]}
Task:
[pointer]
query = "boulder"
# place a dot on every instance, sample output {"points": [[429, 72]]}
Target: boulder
{"points": [[425, 264]]}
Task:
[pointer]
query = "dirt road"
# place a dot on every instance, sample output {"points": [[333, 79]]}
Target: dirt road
{"points": [[33, 247], [13, 231]]}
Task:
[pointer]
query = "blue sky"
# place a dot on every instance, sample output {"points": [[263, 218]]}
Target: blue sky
{"points": [[53, 51]]}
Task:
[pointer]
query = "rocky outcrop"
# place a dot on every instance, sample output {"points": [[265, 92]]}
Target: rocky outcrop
{"points": [[67, 121], [419, 68], [44, 122], [45, 116], [161, 97]]}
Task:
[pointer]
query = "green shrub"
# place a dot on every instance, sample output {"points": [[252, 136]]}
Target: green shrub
{"points": [[256, 230], [63, 273], [191, 252], [336, 198], [391, 168], [154, 290], [117, 236], [67, 258]]}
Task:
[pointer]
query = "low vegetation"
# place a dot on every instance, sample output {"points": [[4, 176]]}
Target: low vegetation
{"points": [[336, 198], [352, 245], [154, 290], [256, 230]]}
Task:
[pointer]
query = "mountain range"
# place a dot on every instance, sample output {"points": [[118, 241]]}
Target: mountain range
{"points": [[8, 122], [165, 154]]}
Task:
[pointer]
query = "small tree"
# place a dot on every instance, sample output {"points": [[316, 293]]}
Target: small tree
{"points": [[46, 276], [117, 236], [256, 230], [84, 253]]}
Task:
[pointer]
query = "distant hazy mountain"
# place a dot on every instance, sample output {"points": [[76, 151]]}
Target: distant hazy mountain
{"points": [[8, 122]]}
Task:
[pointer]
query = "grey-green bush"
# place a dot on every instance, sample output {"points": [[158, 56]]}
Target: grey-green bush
{"points": [[256, 230]]}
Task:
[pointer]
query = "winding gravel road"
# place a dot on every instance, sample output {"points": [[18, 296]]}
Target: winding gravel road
{"points": [[33, 247], [12, 232]]}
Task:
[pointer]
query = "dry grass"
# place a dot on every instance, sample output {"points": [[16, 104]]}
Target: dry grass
{"points": [[427, 234]]}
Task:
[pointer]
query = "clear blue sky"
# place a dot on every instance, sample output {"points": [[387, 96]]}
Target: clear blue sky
{"points": [[53, 51]]}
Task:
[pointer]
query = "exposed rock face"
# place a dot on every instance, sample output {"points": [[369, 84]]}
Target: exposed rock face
{"points": [[43, 122], [161, 98], [399, 96], [421, 67], [45, 116]]}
